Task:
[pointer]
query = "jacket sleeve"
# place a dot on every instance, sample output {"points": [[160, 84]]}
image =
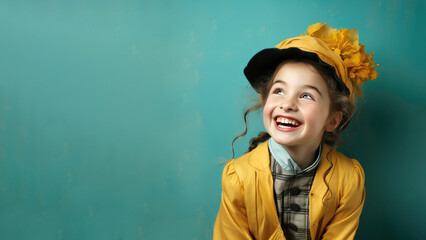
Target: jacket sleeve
{"points": [[345, 221], [231, 221]]}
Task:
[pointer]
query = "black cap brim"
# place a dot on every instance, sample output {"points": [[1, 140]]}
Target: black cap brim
{"points": [[263, 64]]}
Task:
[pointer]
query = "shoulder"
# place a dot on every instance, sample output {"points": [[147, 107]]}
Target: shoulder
{"points": [[237, 170], [347, 172], [345, 165], [257, 159], [230, 179]]}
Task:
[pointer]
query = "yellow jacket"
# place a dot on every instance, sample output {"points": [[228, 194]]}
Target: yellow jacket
{"points": [[247, 209]]}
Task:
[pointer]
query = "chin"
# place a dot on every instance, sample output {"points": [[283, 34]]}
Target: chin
{"points": [[283, 141]]}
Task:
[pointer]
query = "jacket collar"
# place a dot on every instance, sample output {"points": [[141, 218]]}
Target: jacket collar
{"points": [[259, 158]]}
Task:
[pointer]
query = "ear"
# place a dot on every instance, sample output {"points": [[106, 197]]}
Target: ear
{"points": [[333, 121]]}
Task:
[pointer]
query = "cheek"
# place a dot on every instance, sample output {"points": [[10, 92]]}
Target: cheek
{"points": [[265, 114], [267, 111], [317, 116], [266, 119], [268, 108]]}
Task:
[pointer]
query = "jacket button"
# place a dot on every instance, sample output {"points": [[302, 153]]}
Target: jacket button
{"points": [[295, 191], [291, 227], [294, 207]]}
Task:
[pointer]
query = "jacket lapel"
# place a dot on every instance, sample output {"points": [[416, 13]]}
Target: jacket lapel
{"points": [[318, 200], [263, 214]]}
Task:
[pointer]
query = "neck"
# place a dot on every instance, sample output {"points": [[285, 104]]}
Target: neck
{"points": [[304, 156]]}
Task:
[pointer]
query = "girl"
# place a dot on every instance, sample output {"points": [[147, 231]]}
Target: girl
{"points": [[294, 184]]}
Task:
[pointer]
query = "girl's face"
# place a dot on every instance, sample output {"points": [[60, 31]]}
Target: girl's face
{"points": [[297, 110]]}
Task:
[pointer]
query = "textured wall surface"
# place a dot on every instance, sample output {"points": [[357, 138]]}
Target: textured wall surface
{"points": [[115, 116]]}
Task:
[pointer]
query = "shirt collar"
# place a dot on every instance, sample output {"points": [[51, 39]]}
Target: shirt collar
{"points": [[284, 159]]}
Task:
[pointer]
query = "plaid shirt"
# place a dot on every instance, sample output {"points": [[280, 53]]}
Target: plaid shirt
{"points": [[291, 192]]}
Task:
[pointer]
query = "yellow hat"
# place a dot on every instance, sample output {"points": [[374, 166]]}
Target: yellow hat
{"points": [[338, 50]]}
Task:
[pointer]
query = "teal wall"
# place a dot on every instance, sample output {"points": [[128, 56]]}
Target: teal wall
{"points": [[115, 116]]}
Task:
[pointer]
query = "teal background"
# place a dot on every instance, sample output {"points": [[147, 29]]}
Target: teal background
{"points": [[115, 116]]}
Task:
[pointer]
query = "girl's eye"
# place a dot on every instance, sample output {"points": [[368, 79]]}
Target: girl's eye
{"points": [[279, 91], [307, 96]]}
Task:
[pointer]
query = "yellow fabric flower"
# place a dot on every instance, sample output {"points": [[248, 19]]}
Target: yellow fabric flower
{"points": [[345, 44]]}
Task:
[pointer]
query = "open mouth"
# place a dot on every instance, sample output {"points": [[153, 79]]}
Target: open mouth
{"points": [[283, 122]]}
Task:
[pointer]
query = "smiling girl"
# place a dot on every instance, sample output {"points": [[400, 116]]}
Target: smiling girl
{"points": [[294, 184]]}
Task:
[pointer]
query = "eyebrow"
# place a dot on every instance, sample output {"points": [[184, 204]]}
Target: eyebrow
{"points": [[306, 86]]}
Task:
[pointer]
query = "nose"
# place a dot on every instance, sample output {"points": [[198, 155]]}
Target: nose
{"points": [[288, 104]]}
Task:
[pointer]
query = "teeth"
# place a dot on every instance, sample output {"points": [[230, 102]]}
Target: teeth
{"points": [[287, 121]]}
